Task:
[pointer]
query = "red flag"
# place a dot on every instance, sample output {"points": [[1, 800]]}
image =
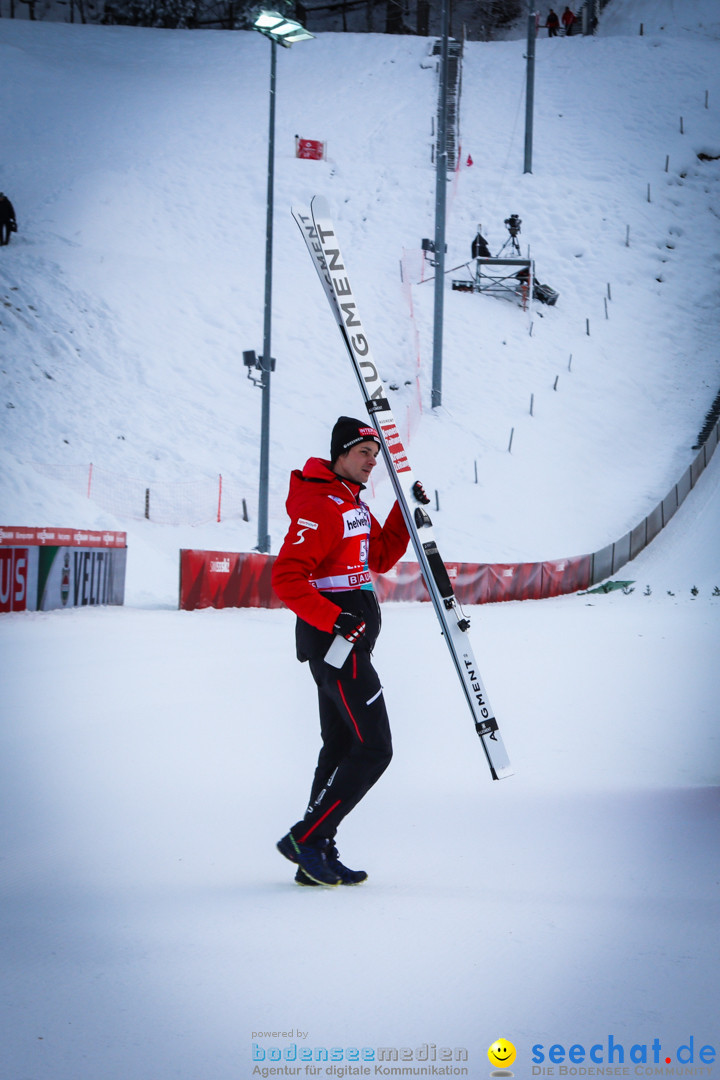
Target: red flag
{"points": [[309, 148]]}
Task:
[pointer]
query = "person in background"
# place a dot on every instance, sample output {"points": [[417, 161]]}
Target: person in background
{"points": [[479, 247], [553, 23], [568, 21], [8, 223]]}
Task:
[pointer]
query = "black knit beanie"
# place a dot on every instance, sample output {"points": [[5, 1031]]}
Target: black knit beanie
{"points": [[347, 432]]}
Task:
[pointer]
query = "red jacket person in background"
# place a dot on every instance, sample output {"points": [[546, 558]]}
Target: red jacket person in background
{"points": [[322, 573], [568, 21]]}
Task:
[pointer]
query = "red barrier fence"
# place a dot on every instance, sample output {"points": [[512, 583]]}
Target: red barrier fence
{"points": [[481, 583], [232, 579]]}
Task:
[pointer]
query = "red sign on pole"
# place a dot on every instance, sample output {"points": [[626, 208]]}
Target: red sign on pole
{"points": [[311, 149]]}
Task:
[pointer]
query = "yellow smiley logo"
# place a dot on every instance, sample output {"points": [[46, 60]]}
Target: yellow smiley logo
{"points": [[502, 1053]]}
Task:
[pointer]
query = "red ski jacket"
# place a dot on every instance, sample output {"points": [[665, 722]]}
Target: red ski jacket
{"points": [[332, 544]]}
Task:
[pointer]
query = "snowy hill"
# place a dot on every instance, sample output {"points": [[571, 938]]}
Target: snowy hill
{"points": [[152, 757], [136, 279]]}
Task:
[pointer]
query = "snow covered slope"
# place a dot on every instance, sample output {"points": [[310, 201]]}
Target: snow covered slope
{"points": [[136, 280]]}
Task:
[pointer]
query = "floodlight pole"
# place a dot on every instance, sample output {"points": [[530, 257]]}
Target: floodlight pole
{"points": [[263, 543], [279, 28], [530, 90], [441, 158]]}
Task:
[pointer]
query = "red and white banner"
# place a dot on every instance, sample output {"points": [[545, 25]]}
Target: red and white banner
{"points": [[10, 536], [231, 579], [311, 149], [223, 579]]}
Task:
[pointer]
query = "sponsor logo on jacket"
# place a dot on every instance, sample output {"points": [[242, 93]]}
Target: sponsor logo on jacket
{"points": [[303, 526], [356, 522]]}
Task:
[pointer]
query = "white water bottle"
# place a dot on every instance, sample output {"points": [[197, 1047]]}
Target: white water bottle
{"points": [[339, 651]]}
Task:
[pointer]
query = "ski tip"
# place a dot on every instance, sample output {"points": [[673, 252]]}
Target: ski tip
{"points": [[320, 206], [502, 773]]}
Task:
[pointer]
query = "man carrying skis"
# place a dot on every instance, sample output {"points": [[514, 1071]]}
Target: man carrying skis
{"points": [[322, 573]]}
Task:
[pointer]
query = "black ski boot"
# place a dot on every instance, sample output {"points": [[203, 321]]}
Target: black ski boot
{"points": [[311, 858], [346, 876]]}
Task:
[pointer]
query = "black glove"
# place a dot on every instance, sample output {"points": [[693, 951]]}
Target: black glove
{"points": [[419, 492], [349, 626]]}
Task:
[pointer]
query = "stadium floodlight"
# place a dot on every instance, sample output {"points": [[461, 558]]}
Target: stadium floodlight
{"points": [[279, 28]]}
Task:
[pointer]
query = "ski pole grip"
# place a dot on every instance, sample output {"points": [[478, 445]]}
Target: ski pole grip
{"points": [[338, 652]]}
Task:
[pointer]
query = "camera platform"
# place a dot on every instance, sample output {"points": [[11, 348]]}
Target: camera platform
{"points": [[510, 278]]}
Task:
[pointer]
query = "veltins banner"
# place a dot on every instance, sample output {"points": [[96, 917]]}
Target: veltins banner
{"points": [[43, 569]]}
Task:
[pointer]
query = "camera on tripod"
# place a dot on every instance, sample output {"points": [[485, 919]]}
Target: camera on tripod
{"points": [[513, 225]]}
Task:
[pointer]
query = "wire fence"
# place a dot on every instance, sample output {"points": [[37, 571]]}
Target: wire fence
{"points": [[191, 502]]}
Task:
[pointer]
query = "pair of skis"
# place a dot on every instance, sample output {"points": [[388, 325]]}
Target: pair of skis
{"points": [[319, 234]]}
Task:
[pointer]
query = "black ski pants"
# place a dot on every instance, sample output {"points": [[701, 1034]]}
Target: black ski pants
{"points": [[356, 743]]}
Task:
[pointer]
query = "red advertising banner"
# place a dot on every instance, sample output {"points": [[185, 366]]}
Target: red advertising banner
{"points": [[231, 579], [311, 149], [14, 579], [222, 579], [11, 535]]}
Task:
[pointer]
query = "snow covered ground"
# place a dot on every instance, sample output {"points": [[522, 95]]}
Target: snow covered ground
{"points": [[151, 757]]}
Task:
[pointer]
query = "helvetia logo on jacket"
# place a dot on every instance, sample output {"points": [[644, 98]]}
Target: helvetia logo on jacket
{"points": [[356, 522]]}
